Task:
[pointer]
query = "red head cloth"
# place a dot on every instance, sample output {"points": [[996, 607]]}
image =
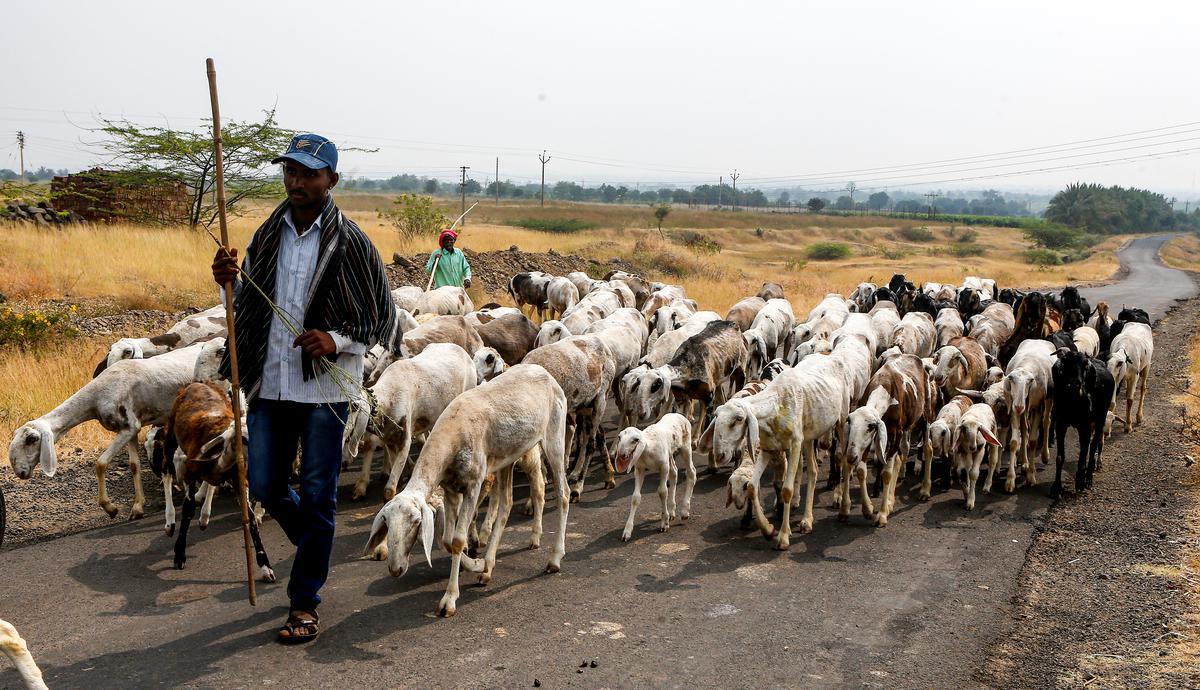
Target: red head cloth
{"points": [[446, 233]]}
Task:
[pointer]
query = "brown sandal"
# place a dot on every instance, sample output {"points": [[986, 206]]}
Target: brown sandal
{"points": [[300, 627]]}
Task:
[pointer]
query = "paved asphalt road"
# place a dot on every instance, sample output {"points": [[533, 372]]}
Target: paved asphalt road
{"points": [[1149, 284], [706, 604]]}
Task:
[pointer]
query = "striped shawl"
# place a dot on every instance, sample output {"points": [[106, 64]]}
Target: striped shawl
{"points": [[349, 292]]}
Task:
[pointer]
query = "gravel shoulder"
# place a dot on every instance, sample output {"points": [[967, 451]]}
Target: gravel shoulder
{"points": [[1101, 600]]}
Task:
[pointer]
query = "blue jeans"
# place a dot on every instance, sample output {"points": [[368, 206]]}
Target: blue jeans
{"points": [[276, 427]]}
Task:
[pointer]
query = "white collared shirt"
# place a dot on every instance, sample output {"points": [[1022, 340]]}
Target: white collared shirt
{"points": [[283, 373]]}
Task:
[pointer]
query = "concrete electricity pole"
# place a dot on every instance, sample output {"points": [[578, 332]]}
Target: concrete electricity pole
{"points": [[462, 188], [733, 176], [21, 144], [720, 185], [931, 196], [497, 180], [544, 159]]}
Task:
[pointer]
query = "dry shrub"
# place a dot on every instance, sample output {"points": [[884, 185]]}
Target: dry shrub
{"points": [[658, 256]]}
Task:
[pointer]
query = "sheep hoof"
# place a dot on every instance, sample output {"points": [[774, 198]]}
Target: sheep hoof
{"points": [[137, 514], [535, 544], [664, 527], [843, 517], [881, 520], [806, 526], [685, 515], [610, 484], [358, 494], [527, 511], [626, 536], [170, 530], [924, 495], [445, 610], [574, 496], [485, 579], [970, 507], [389, 492], [781, 544], [552, 568], [110, 509], [266, 574], [179, 563]]}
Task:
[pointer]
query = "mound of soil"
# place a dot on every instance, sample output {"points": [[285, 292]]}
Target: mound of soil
{"points": [[490, 271]]}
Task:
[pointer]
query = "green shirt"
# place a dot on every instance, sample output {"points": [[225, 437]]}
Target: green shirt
{"points": [[452, 268]]}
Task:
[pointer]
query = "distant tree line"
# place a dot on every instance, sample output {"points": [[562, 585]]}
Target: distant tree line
{"points": [[1111, 210], [40, 175]]}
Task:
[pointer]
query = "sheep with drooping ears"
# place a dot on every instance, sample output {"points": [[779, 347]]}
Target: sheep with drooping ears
{"points": [[663, 447]]}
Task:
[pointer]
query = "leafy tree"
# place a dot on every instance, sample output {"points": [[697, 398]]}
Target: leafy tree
{"points": [[430, 186], [660, 214], [473, 187], [878, 201], [843, 203], [784, 199], [416, 216], [1112, 209], [815, 204], [167, 155]]}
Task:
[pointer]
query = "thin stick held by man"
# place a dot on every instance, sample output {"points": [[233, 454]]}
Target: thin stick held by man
{"points": [[327, 281]]}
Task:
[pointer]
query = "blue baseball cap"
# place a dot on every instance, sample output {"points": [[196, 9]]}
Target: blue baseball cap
{"points": [[312, 151]]}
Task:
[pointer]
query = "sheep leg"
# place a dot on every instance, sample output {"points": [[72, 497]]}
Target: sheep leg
{"points": [[583, 438], [926, 468], [168, 484], [209, 492], [532, 464], [666, 496], [993, 460], [1047, 417], [639, 475], [489, 520], [860, 471], [690, 469], [891, 472], [795, 456], [1082, 475], [841, 490], [1060, 431], [364, 477], [265, 572], [135, 470], [117, 444], [1030, 464], [466, 513], [1015, 442], [502, 494], [1143, 377], [810, 480], [396, 461], [972, 477], [189, 511], [555, 458]]}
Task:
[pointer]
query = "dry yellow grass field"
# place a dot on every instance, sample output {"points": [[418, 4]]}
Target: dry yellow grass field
{"points": [[126, 267], [1182, 252]]}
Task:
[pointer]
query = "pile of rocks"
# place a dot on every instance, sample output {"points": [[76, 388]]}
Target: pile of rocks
{"points": [[491, 270], [39, 213]]}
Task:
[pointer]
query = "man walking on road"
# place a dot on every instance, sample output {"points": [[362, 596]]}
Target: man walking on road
{"points": [[322, 271], [452, 267]]}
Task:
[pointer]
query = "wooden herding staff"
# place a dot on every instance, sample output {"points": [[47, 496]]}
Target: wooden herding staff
{"points": [[231, 341]]}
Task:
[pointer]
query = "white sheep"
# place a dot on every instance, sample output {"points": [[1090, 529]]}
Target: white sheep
{"points": [[193, 329], [948, 324], [125, 397], [484, 430], [976, 435], [551, 331], [1086, 340], [915, 334], [661, 447], [943, 431], [13, 645], [1027, 388], [1129, 359], [447, 300], [410, 396], [561, 295]]}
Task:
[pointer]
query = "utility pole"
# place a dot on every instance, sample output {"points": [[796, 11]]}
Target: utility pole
{"points": [[497, 180], [720, 186], [21, 144], [850, 187], [544, 159], [733, 176], [462, 188], [931, 196]]}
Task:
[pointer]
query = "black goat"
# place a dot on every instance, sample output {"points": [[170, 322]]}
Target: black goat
{"points": [[1011, 297], [1083, 391], [1134, 314], [1070, 298], [1072, 319], [970, 302]]}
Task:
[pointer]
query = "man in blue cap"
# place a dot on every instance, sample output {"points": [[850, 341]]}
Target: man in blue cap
{"points": [[301, 360]]}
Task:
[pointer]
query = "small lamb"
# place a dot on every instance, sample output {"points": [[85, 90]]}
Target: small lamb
{"points": [[661, 447]]}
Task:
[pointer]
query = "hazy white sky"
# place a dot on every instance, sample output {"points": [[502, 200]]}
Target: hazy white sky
{"points": [[638, 92]]}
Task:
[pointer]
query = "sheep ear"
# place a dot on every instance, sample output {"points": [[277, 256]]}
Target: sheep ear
{"points": [[138, 353], [987, 436], [706, 438], [428, 524], [46, 456], [728, 496], [214, 446], [379, 531], [892, 403]]}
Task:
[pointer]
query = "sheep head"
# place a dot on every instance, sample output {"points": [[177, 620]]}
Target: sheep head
{"points": [[32, 445], [396, 528], [631, 443]]}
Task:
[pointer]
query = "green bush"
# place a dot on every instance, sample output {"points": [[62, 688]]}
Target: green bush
{"points": [[894, 253], [697, 242], [966, 250], [916, 234], [416, 216], [1043, 257], [827, 251], [1059, 237], [559, 225], [968, 236]]}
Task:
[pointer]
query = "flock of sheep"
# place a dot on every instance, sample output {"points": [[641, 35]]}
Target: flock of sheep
{"points": [[961, 373]]}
